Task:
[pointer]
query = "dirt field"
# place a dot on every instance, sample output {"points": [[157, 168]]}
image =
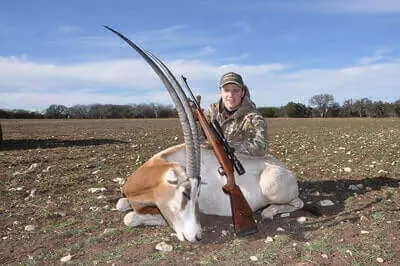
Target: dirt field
{"points": [[47, 211]]}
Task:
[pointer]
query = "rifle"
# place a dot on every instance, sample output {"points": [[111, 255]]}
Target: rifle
{"points": [[242, 215]]}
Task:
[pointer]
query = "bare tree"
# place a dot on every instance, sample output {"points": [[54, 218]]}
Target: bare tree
{"points": [[322, 102]]}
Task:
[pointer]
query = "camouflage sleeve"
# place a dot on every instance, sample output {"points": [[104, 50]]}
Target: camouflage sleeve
{"points": [[254, 130], [208, 113]]}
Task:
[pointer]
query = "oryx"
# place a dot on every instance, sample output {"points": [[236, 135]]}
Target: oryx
{"points": [[167, 189]]}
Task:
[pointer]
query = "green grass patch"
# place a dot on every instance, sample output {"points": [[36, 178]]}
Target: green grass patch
{"points": [[154, 258], [59, 225], [378, 215]]}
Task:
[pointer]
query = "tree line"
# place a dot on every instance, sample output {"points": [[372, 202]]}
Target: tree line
{"points": [[96, 111], [320, 105], [323, 105]]}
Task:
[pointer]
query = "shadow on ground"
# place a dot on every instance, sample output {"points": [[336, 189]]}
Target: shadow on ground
{"points": [[26, 144], [218, 229]]}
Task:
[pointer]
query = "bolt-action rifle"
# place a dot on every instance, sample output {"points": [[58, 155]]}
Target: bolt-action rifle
{"points": [[242, 215]]}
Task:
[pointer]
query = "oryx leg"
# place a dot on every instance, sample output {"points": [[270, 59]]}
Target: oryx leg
{"points": [[123, 205], [279, 186], [275, 209], [144, 215]]}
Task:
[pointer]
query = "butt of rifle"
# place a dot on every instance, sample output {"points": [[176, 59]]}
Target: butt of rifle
{"points": [[242, 215], [247, 231]]}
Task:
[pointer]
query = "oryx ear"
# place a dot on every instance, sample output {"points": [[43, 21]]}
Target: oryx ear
{"points": [[171, 177]]}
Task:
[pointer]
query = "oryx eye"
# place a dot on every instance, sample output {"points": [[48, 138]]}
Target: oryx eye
{"points": [[186, 195]]}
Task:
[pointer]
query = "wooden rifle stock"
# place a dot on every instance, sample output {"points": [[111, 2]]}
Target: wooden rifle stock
{"points": [[242, 215]]}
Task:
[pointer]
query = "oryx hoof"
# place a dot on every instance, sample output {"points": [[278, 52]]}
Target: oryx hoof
{"points": [[129, 219], [123, 205], [269, 213]]}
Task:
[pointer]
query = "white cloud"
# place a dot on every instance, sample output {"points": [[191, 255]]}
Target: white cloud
{"points": [[32, 85], [379, 55], [19, 73]]}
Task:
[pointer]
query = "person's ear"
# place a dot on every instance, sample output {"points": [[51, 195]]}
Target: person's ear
{"points": [[243, 92]]}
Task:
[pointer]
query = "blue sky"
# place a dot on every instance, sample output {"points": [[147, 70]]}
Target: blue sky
{"points": [[57, 52]]}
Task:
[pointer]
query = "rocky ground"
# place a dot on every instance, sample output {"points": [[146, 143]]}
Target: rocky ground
{"points": [[60, 180]]}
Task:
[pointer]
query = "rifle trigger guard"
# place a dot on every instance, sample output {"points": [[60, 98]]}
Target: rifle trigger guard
{"points": [[221, 171]]}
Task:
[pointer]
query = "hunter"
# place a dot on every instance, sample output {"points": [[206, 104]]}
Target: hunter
{"points": [[243, 125]]}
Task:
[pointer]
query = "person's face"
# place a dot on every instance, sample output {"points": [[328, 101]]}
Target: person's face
{"points": [[231, 95]]}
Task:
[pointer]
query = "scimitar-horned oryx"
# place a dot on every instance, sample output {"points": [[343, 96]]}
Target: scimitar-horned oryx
{"points": [[167, 189]]}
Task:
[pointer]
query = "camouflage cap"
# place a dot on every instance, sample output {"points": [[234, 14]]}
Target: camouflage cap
{"points": [[231, 77]]}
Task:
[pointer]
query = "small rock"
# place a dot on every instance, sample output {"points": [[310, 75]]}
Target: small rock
{"points": [[325, 203], [380, 260], [301, 219], [32, 167], [347, 169], [363, 232], [382, 172], [97, 189], [349, 252], [32, 193], [253, 258], [29, 227], [316, 193], [164, 247], [268, 239], [46, 170], [93, 208], [61, 213], [352, 187], [307, 235], [108, 230], [283, 215], [66, 258], [119, 180]]}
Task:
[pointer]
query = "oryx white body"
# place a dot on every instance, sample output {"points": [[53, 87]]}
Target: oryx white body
{"points": [[266, 182]]}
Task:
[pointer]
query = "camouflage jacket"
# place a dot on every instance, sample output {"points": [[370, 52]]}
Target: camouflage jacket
{"points": [[245, 129]]}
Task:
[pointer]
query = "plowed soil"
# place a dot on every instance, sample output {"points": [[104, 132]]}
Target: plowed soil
{"points": [[47, 211]]}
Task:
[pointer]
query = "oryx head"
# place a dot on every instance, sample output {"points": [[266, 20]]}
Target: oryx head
{"points": [[180, 207]]}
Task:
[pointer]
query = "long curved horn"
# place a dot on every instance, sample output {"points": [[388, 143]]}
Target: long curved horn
{"points": [[183, 115], [186, 106]]}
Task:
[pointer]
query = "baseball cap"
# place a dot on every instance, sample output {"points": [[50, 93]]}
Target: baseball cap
{"points": [[231, 77]]}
